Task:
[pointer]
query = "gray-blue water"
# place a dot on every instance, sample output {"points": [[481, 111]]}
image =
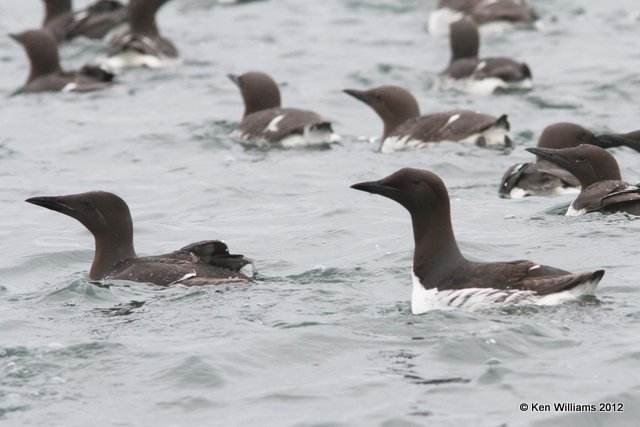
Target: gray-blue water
{"points": [[324, 336]]}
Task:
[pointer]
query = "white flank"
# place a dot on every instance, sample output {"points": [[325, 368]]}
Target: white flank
{"points": [[496, 27], [70, 87], [293, 141], [311, 136], [132, 59], [424, 300], [237, 134], [273, 124], [494, 137], [561, 191], [575, 212], [519, 193], [440, 19], [482, 87], [183, 278], [402, 143]]}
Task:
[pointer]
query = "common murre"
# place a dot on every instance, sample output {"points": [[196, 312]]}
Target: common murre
{"points": [[265, 119], [406, 129], [94, 22], [490, 15], [480, 76], [544, 178], [444, 278], [107, 217], [142, 45], [603, 189], [46, 74]]}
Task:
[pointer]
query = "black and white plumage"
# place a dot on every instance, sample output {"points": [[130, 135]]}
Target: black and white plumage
{"points": [[480, 76], [603, 189], [544, 178], [490, 15], [94, 22], [265, 119], [107, 217], [142, 45], [444, 278], [46, 74], [406, 129]]}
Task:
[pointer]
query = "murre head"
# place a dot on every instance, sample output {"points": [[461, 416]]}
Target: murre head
{"points": [[415, 189], [259, 91], [394, 104], [42, 50], [464, 38], [142, 16], [588, 163], [106, 216], [426, 198], [55, 8], [564, 135]]}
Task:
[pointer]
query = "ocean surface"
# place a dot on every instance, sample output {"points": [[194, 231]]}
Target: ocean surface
{"points": [[324, 336]]}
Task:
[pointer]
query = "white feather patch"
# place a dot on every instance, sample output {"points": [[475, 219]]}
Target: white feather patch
{"points": [[575, 212], [183, 278], [520, 193], [132, 59], [452, 119], [424, 300], [482, 87], [70, 87], [273, 124], [402, 143], [494, 137]]}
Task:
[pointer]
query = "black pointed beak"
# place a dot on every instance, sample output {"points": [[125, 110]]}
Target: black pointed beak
{"points": [[16, 37], [357, 94], [615, 140], [52, 203], [234, 78], [375, 187], [549, 154]]}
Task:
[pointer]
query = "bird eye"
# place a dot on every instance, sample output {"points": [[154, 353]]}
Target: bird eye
{"points": [[417, 181]]}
